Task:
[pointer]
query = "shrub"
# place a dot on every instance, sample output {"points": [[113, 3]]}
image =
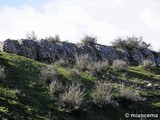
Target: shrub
{"points": [[2, 73], [97, 66], [131, 42], [54, 39], [102, 93], [31, 35], [74, 73], [55, 87], [83, 62], [89, 40], [148, 64], [130, 93], [119, 65], [72, 98], [49, 73]]}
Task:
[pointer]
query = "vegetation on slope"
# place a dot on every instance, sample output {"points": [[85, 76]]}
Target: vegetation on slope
{"points": [[24, 94]]}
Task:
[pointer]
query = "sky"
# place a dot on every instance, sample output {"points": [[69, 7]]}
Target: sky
{"points": [[73, 19]]}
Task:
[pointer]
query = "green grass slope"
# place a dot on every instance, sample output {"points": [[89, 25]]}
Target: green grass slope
{"points": [[23, 95]]}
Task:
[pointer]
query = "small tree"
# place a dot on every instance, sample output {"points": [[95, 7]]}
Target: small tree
{"points": [[53, 39], [89, 40], [131, 42], [31, 35]]}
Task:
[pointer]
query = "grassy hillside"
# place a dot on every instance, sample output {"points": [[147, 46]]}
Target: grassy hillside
{"points": [[25, 95]]}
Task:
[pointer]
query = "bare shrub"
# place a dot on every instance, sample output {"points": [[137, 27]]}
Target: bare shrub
{"points": [[97, 66], [83, 62], [55, 87], [49, 73], [89, 40], [130, 93], [74, 73], [131, 42], [72, 98], [148, 64], [53, 39], [119, 65], [102, 93], [31, 35], [2, 73]]}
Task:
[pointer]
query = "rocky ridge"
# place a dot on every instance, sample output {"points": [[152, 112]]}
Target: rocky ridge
{"points": [[47, 51]]}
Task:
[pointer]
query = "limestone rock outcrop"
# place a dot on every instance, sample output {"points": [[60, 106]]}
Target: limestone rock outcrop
{"points": [[45, 50]]}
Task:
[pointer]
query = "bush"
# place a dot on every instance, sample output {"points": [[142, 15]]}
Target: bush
{"points": [[2, 73], [148, 64], [102, 93], [74, 73], [89, 40], [72, 98], [49, 73], [54, 39], [83, 62], [31, 35], [55, 87], [119, 65], [130, 93], [97, 66], [131, 42]]}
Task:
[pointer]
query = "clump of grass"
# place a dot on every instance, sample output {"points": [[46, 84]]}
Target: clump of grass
{"points": [[2, 73], [55, 87], [48, 73], [148, 64], [130, 93], [72, 99], [119, 65], [102, 94]]}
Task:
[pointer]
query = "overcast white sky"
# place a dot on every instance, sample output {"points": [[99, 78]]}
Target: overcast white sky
{"points": [[72, 19]]}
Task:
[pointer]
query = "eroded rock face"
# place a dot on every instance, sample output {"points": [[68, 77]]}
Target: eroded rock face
{"points": [[157, 61], [44, 50], [106, 52], [11, 46], [147, 54], [28, 48], [47, 51], [136, 56], [69, 48], [87, 50]]}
